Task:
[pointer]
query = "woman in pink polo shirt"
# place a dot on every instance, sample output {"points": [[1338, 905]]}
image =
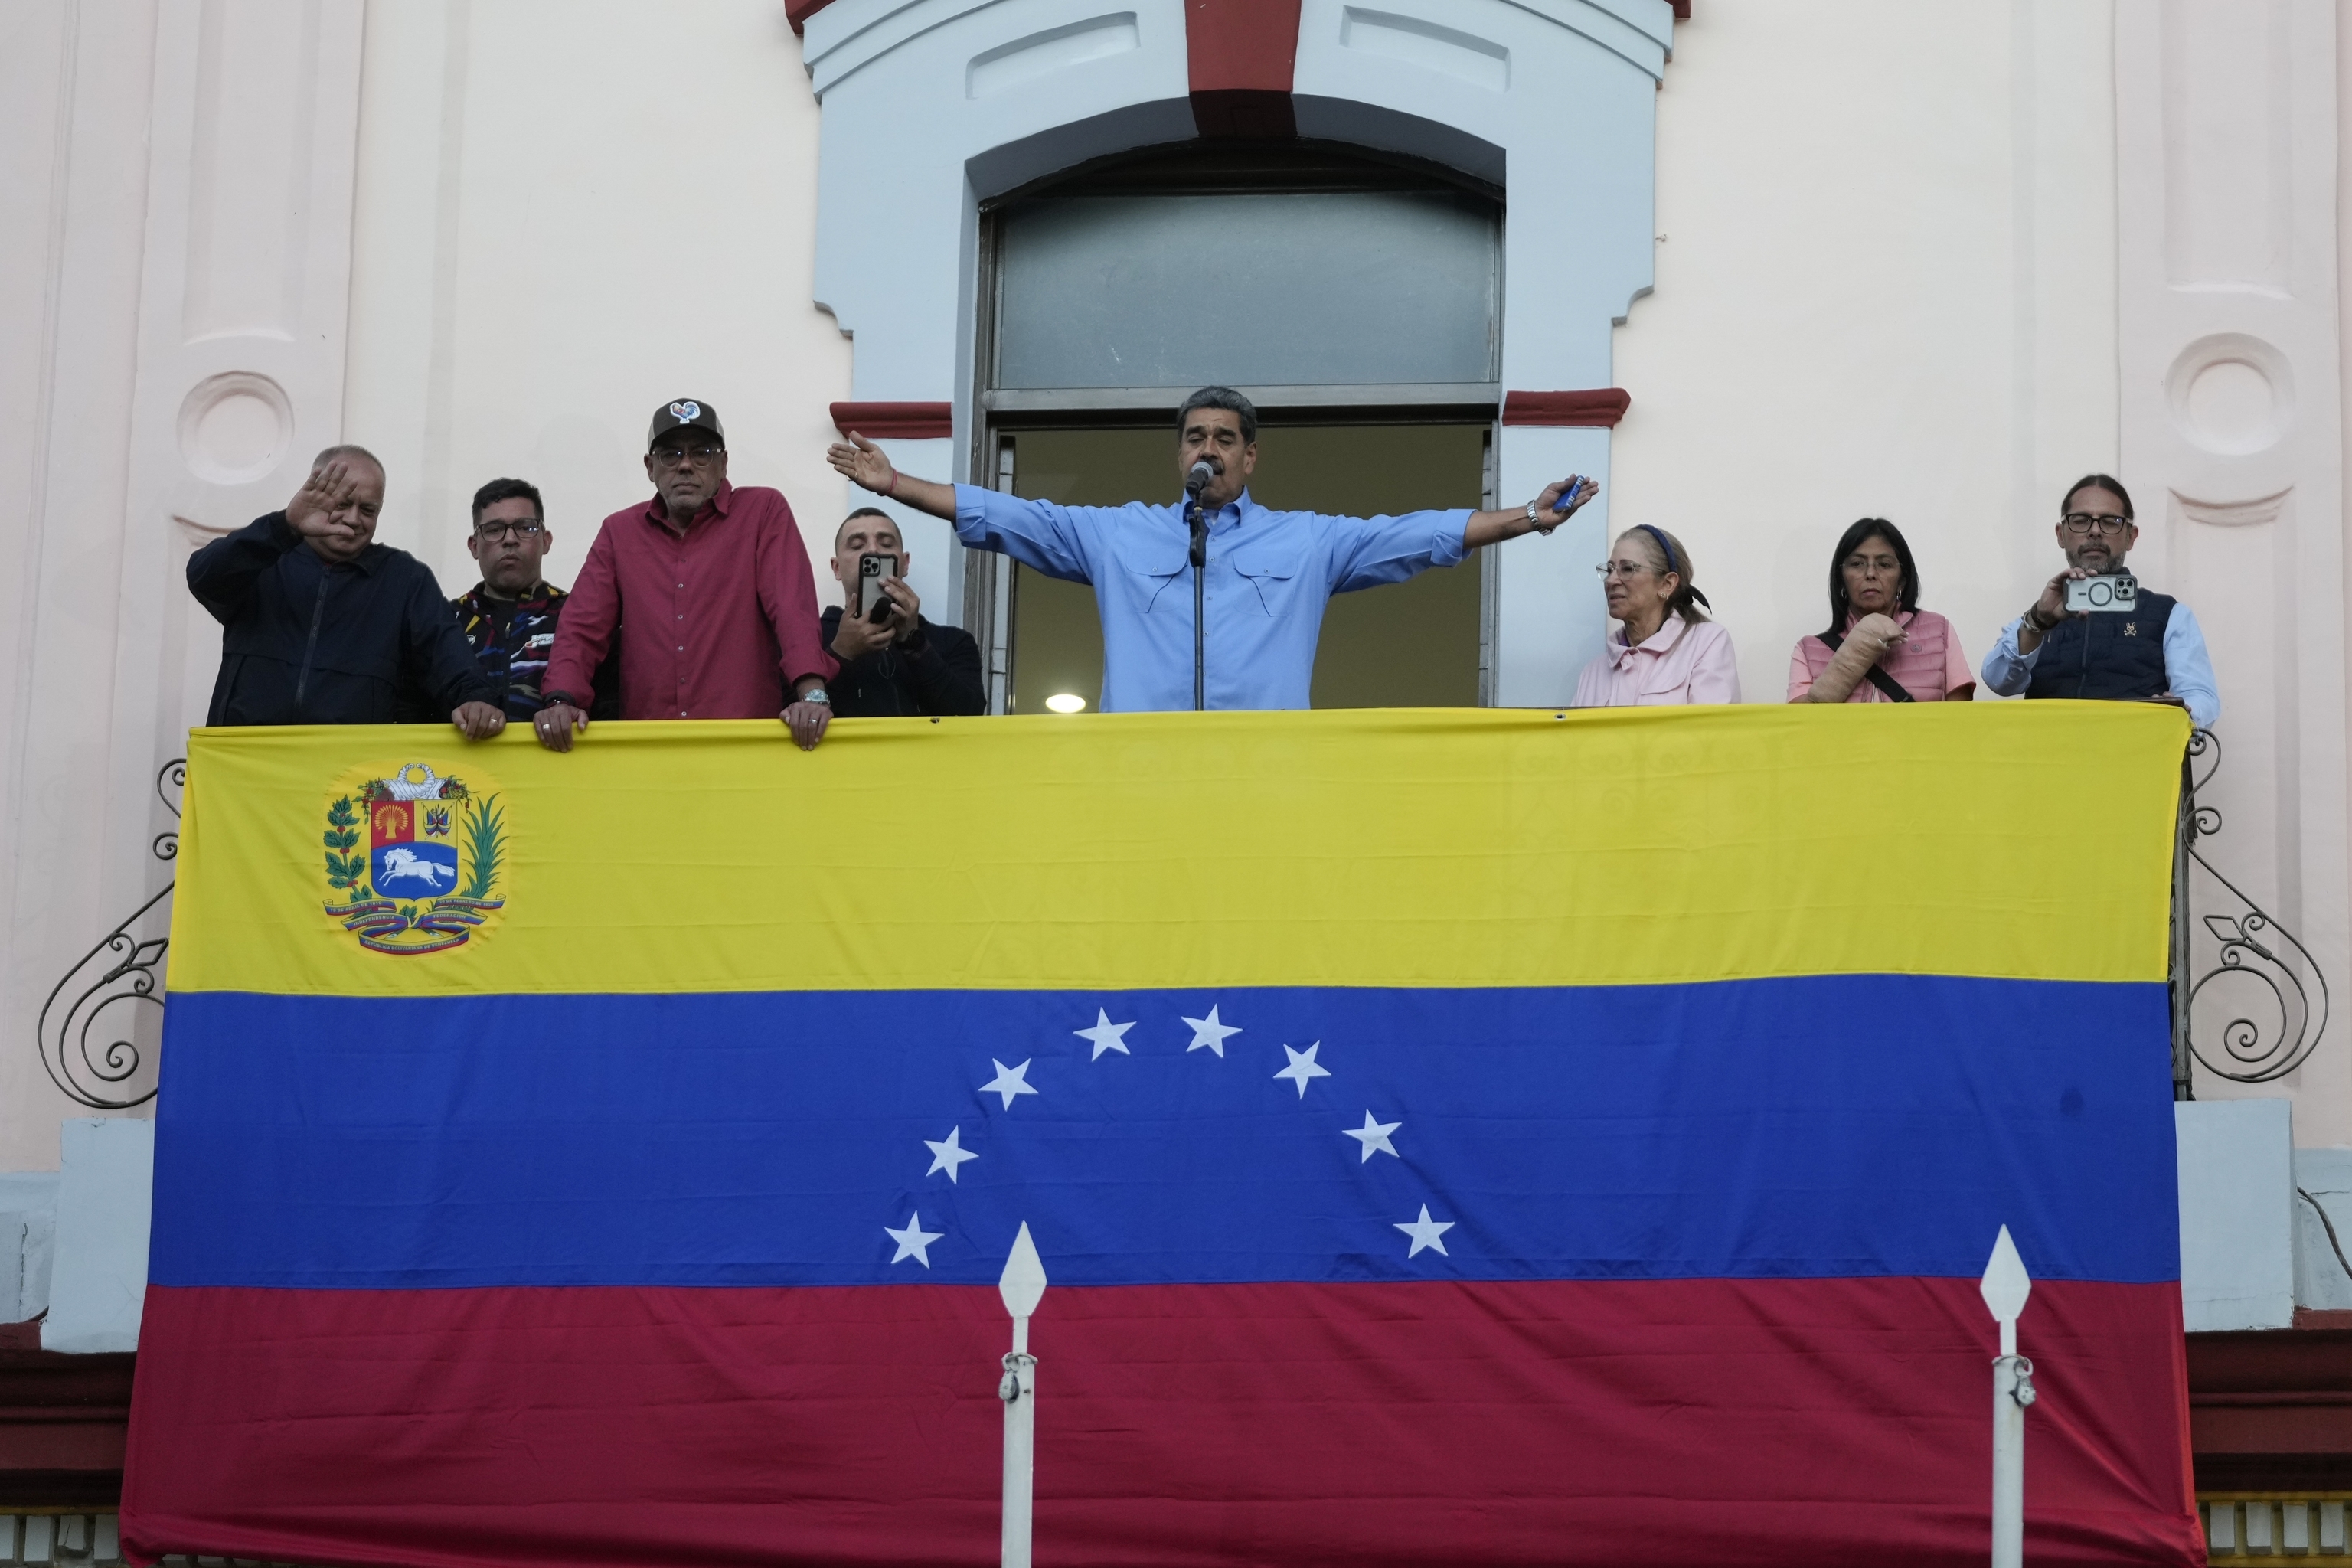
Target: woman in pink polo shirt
{"points": [[1664, 651], [1880, 647]]}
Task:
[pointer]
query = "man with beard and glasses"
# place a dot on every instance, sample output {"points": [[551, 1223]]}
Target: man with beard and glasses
{"points": [[2154, 652]]}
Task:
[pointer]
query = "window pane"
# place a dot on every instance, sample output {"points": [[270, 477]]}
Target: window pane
{"points": [[1252, 289]]}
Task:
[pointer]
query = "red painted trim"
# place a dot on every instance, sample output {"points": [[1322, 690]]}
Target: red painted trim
{"points": [[1602, 405], [1246, 45], [798, 12], [894, 421], [1240, 59], [1682, 8]]}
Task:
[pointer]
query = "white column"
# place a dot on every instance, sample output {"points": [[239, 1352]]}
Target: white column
{"points": [[2232, 435]]}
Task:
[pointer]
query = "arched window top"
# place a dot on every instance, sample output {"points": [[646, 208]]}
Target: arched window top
{"points": [[1300, 266]]}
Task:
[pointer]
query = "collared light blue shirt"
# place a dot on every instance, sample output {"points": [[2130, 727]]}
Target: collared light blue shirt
{"points": [[2188, 669], [1270, 574]]}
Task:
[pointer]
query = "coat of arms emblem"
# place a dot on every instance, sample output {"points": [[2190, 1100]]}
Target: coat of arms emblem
{"points": [[430, 874]]}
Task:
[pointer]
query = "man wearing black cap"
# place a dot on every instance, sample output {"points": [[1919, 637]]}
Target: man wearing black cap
{"points": [[706, 592]]}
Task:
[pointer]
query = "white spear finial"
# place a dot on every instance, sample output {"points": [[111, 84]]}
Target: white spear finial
{"points": [[1022, 1285], [2005, 1286]]}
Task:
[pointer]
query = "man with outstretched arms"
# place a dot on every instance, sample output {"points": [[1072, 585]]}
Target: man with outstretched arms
{"points": [[1267, 577]]}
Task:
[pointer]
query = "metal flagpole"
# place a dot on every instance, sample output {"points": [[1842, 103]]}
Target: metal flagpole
{"points": [[1022, 1285], [2005, 1287]]}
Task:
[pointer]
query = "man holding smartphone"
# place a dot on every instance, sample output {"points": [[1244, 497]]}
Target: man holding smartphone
{"points": [[2151, 651], [893, 661]]}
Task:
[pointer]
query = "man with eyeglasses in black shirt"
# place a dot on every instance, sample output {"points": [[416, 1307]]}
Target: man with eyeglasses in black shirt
{"points": [[508, 617]]}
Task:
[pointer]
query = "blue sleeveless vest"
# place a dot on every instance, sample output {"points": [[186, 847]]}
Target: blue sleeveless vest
{"points": [[2105, 656]]}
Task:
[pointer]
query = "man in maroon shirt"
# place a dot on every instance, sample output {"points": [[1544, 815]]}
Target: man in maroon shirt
{"points": [[707, 588]]}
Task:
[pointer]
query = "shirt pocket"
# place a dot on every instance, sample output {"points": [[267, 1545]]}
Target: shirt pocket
{"points": [[1273, 567], [1151, 562]]}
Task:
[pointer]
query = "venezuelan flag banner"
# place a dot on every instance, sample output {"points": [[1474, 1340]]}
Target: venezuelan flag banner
{"points": [[1451, 1137]]}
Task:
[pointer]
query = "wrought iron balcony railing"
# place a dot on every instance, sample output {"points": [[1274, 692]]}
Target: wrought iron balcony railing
{"points": [[2249, 1002], [88, 1025]]}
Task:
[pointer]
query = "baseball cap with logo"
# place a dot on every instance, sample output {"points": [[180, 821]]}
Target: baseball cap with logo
{"points": [[683, 415]]}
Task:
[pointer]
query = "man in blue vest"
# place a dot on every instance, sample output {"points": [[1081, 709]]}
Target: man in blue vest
{"points": [[2154, 652]]}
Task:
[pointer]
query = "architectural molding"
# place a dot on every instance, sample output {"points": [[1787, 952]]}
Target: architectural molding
{"points": [[2227, 283], [1553, 100]]}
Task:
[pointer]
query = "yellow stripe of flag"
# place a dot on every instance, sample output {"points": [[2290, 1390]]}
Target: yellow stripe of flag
{"points": [[1406, 847]]}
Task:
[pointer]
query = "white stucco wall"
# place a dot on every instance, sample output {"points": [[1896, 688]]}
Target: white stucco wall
{"points": [[1888, 283], [566, 216], [1886, 287]]}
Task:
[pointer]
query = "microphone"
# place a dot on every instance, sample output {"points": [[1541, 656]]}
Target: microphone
{"points": [[1199, 479]]}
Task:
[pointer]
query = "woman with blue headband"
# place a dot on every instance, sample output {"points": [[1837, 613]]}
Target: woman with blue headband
{"points": [[1664, 651]]}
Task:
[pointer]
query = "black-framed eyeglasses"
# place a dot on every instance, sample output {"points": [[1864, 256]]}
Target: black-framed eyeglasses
{"points": [[498, 533], [2105, 522], [678, 457]]}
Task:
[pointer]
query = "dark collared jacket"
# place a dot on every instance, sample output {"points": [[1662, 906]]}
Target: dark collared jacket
{"points": [[303, 642], [935, 671]]}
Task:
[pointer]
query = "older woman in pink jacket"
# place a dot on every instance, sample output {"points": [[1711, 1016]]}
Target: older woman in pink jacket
{"points": [[1664, 650], [1880, 646]]}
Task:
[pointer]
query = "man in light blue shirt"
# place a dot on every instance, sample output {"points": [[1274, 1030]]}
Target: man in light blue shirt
{"points": [[2154, 652], [1269, 574]]}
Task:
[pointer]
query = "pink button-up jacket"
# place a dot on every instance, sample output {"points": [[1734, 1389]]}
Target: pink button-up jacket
{"points": [[1682, 661]]}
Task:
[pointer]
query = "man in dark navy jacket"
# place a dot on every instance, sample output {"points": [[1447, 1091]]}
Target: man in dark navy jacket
{"points": [[321, 625], [2155, 652]]}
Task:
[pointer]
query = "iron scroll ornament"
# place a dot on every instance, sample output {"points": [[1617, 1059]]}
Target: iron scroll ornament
{"points": [[85, 1046], [2261, 979]]}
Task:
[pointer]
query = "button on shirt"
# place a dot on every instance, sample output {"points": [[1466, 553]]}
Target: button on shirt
{"points": [[718, 624], [1269, 575]]}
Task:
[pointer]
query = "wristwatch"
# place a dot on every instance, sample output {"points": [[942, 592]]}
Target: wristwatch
{"points": [[1533, 521], [814, 694]]}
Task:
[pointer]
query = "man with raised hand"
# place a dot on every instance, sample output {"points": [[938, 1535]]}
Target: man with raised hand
{"points": [[1268, 573], [321, 625], [900, 664], [2154, 652], [704, 592]]}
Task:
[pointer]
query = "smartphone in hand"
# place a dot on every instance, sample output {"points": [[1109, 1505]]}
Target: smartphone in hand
{"points": [[873, 604]]}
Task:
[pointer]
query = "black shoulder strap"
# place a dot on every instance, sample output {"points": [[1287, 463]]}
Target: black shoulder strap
{"points": [[1887, 684]]}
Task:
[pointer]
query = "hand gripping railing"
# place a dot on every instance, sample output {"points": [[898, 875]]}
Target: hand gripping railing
{"points": [[85, 1045], [2249, 1002]]}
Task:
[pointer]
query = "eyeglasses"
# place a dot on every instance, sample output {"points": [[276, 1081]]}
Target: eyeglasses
{"points": [[678, 457], [1622, 569], [2105, 522], [498, 533]]}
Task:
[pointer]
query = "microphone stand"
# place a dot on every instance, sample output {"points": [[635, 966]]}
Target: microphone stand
{"points": [[1197, 518]]}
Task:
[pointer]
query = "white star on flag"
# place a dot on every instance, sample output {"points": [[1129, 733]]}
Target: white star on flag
{"points": [[1303, 1068], [1425, 1232], [949, 1153], [915, 1241], [1106, 1035], [1210, 1032], [1373, 1135], [1008, 1081]]}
